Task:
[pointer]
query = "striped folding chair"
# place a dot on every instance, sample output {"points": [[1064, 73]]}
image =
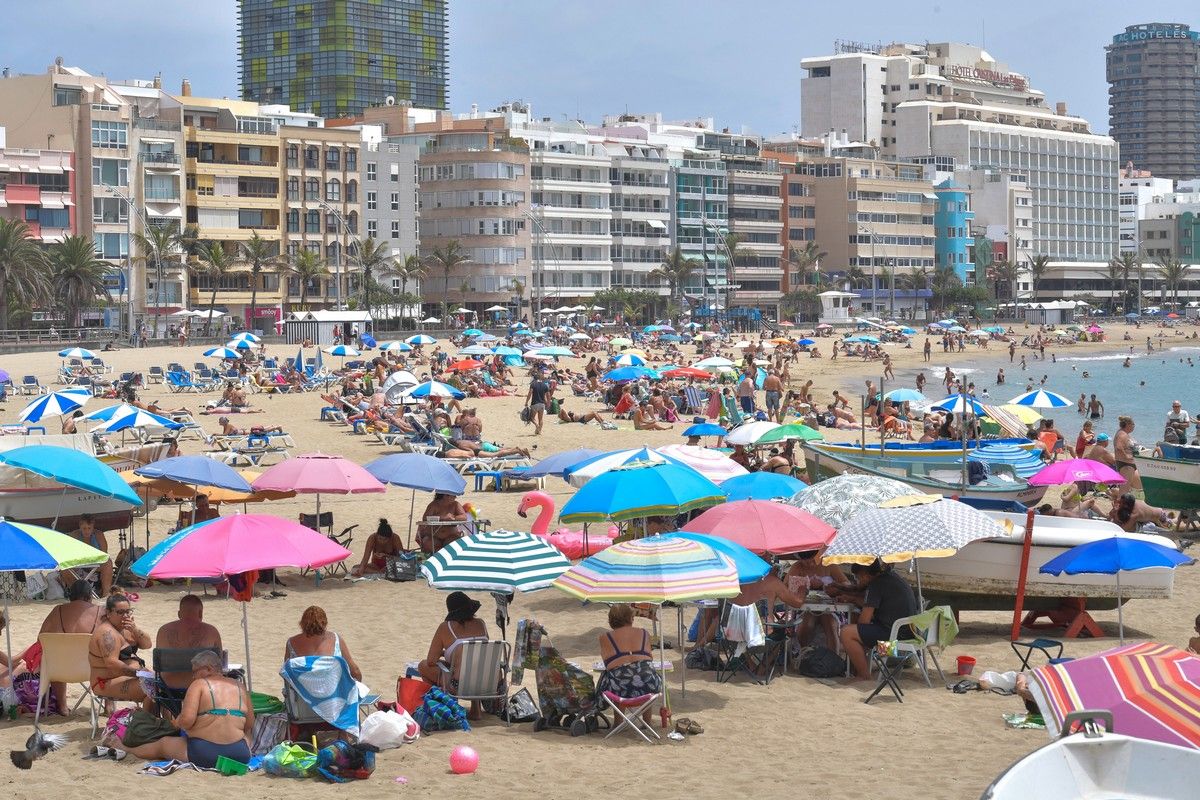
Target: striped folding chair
{"points": [[482, 669]]}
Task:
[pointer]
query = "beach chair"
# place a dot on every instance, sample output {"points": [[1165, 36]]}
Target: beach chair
{"points": [[31, 385], [303, 721], [627, 714], [155, 375], [65, 660], [322, 523], [175, 366], [179, 382], [177, 659], [733, 411], [199, 366], [482, 669], [99, 366], [926, 630], [693, 400], [744, 645]]}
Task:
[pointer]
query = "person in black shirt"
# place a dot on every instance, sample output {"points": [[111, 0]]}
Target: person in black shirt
{"points": [[538, 397], [888, 598]]}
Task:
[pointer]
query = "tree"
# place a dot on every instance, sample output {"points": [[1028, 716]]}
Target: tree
{"points": [[159, 245], [77, 277], [22, 269], [1004, 273], [1038, 268], [1121, 270], [411, 269], [518, 289], [215, 263], [1173, 272], [258, 253], [306, 265], [374, 257], [945, 284], [446, 259], [806, 260], [675, 271], [856, 277], [630, 303], [803, 300], [732, 243], [190, 241]]}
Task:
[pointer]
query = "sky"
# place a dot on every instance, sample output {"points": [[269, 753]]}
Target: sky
{"points": [[735, 60]]}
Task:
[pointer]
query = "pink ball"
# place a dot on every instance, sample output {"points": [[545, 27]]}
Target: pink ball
{"points": [[463, 760]]}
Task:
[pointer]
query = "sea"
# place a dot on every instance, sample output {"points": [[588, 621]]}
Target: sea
{"points": [[1144, 390]]}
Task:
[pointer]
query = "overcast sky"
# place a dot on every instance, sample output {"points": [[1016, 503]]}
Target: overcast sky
{"points": [[735, 60]]}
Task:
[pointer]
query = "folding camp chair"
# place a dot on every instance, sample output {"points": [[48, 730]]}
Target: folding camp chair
{"points": [[177, 659], [65, 660], [739, 649], [734, 412], [302, 719], [482, 669], [925, 639], [627, 714]]}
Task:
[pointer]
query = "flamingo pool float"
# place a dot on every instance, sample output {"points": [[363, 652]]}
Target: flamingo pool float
{"points": [[570, 542]]}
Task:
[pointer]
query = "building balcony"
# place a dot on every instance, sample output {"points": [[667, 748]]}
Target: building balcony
{"points": [[165, 162], [234, 168], [199, 297], [238, 234], [901, 294], [22, 194], [156, 124], [152, 195]]}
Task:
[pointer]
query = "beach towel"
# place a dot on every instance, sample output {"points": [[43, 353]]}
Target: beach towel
{"points": [[440, 712], [744, 626], [714, 405], [324, 682], [162, 768]]}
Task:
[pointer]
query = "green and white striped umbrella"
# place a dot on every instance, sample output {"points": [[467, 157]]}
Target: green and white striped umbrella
{"points": [[495, 561]]}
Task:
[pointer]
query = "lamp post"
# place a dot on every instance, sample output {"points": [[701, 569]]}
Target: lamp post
{"points": [[871, 232], [536, 296], [337, 268], [128, 249]]}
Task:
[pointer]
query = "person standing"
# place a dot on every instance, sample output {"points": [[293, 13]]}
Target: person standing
{"points": [[538, 397], [1123, 453], [773, 386], [745, 392], [926, 350]]}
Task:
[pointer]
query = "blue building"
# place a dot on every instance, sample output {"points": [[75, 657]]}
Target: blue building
{"points": [[952, 218], [700, 219]]}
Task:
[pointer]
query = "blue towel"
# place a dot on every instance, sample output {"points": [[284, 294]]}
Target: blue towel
{"points": [[325, 683]]}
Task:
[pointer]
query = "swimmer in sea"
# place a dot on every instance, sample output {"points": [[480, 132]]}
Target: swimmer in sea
{"points": [[1085, 374], [1125, 363]]}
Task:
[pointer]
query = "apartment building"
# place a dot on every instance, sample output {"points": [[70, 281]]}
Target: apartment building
{"points": [[1003, 206], [640, 176], [953, 241], [699, 222], [37, 187], [1137, 190]]}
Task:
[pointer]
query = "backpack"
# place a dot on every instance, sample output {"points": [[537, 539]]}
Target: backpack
{"points": [[526, 415], [821, 662]]}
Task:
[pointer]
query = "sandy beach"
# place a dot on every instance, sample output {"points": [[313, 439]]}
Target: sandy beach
{"points": [[795, 737]]}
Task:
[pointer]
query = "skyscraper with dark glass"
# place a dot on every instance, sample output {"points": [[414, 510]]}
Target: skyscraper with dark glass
{"points": [[337, 57]]}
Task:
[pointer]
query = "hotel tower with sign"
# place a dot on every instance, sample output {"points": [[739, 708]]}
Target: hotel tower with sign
{"points": [[1153, 73]]}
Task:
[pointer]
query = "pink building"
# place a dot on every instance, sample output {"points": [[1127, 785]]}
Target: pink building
{"points": [[38, 187]]}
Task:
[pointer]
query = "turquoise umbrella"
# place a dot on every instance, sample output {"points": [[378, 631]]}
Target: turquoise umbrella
{"points": [[641, 490], [71, 468]]}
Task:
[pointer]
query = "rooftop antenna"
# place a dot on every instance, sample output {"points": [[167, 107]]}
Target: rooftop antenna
{"points": [[983, 28]]}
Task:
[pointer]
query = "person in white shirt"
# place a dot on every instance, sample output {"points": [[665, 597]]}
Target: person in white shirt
{"points": [[1179, 419]]}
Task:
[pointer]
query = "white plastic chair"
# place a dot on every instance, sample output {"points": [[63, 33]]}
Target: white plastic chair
{"points": [[65, 660]]}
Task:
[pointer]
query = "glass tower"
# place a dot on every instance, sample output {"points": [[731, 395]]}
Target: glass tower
{"points": [[337, 57]]}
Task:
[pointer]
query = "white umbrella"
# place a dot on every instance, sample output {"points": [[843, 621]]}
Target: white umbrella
{"points": [[495, 308], [750, 432], [430, 321]]}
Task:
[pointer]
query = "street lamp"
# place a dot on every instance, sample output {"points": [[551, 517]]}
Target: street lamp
{"points": [[536, 296], [337, 273], [870, 232], [128, 248]]}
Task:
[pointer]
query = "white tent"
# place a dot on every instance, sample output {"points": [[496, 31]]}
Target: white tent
{"points": [[430, 321], [495, 308]]}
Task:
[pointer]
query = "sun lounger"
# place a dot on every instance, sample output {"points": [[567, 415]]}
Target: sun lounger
{"points": [[155, 375], [31, 385], [179, 382]]}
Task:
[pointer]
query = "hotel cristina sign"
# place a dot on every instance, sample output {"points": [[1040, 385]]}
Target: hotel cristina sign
{"points": [[964, 72]]}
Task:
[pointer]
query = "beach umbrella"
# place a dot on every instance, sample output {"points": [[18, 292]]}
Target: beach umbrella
{"points": [[1040, 398], [396, 347], [749, 432], [235, 545], [1024, 414], [641, 490], [905, 396], [995, 329], [421, 338], [793, 431], [687, 372], [240, 344], [197, 471], [555, 351], [763, 526], [837, 499], [584, 470], [367, 340], [1074, 469], [505, 350], [343, 350], [134, 417], [495, 561], [980, 334], [71, 468], [396, 384], [475, 350], [496, 308], [947, 323], [559, 463], [712, 464], [319, 473], [960, 404], [630, 360], [76, 352], [761, 486], [472, 332], [245, 336], [806, 342], [223, 353], [631, 374], [465, 365], [580, 337], [1152, 690], [1112, 556], [55, 404], [656, 569], [430, 321], [713, 362], [704, 429], [433, 389], [621, 341], [749, 566], [32, 547], [418, 472]]}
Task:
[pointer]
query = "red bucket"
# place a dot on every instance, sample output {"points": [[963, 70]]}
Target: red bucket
{"points": [[965, 665]]}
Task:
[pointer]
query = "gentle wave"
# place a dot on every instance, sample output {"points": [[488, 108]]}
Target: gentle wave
{"points": [[1121, 357], [1183, 349]]}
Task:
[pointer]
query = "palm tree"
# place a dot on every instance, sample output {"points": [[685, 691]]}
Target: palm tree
{"points": [[518, 288], [1005, 273], [944, 282], [731, 242], [306, 265], [22, 268], [675, 271], [411, 269], [190, 241], [1174, 272], [855, 276], [1038, 268], [158, 245], [1121, 269], [215, 263], [373, 256], [446, 259], [258, 253], [806, 260], [77, 276]]}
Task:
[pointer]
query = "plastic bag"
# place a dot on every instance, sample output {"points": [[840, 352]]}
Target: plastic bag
{"points": [[291, 760], [388, 729]]}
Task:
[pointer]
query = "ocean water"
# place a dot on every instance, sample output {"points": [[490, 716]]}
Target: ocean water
{"points": [[1144, 390]]}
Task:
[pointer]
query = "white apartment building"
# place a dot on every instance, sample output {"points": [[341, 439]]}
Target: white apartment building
{"points": [[1137, 189], [641, 213], [1003, 206]]}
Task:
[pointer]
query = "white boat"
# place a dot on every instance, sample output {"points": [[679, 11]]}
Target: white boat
{"points": [[983, 575], [1101, 767]]}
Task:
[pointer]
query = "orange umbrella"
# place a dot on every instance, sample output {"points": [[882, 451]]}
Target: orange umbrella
{"points": [[165, 487], [466, 365]]}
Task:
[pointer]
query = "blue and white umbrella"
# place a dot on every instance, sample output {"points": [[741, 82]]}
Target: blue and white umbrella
{"points": [[55, 404], [342, 350], [487, 337], [433, 389], [583, 471], [1040, 398], [476, 350], [240, 344], [704, 429], [421, 338], [960, 404], [245, 336], [905, 396], [505, 350], [555, 351], [133, 417], [630, 360], [396, 347], [76, 352], [631, 374], [472, 332], [221, 352]]}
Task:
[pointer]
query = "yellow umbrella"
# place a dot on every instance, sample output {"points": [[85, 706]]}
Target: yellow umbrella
{"points": [[165, 487], [1026, 414], [634, 351]]}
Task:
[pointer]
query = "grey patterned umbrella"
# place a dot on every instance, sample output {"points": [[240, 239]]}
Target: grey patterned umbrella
{"points": [[902, 529], [837, 499]]}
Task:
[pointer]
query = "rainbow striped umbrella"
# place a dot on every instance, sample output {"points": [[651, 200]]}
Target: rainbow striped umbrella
{"points": [[1152, 689], [657, 569]]}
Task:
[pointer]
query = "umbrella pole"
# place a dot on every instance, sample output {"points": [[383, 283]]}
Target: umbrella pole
{"points": [[8, 637], [246, 640], [1120, 611], [412, 510], [682, 651], [662, 657]]}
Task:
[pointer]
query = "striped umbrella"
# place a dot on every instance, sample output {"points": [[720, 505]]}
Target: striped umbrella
{"points": [[838, 499], [221, 352], [657, 569], [641, 490], [584, 469], [342, 350], [630, 360], [960, 404], [396, 347], [433, 389], [1152, 689], [420, 338], [55, 404], [495, 561], [240, 344], [76, 352], [1040, 398], [135, 418], [245, 336], [904, 528]]}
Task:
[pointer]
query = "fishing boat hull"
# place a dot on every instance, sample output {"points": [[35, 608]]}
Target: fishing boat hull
{"points": [[55, 508], [1100, 768], [924, 477], [943, 451], [1170, 482], [983, 575]]}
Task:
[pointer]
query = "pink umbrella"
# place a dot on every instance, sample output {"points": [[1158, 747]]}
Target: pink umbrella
{"points": [[712, 464], [764, 527], [318, 473], [228, 546], [1075, 469]]}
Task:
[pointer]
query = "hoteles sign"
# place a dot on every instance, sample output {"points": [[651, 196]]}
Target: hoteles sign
{"points": [[964, 72], [1157, 32]]}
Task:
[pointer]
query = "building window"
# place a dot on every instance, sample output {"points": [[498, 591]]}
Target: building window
{"points": [[331, 223], [312, 157], [351, 160], [352, 221], [370, 170], [333, 158], [334, 253], [293, 189], [293, 156], [372, 201], [372, 229], [395, 201], [312, 222], [112, 245], [395, 229], [395, 173], [110, 134], [312, 189], [110, 172], [352, 191], [333, 190], [110, 209]]}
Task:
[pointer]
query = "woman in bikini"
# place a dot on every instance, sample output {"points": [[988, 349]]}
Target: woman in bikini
{"points": [[217, 717], [381, 544], [460, 626], [628, 663], [315, 639]]}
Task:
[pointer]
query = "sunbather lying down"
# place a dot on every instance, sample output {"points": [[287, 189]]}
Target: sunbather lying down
{"points": [[464, 448], [231, 410]]}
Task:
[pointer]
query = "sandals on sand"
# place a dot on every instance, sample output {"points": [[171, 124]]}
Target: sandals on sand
{"points": [[686, 725]]}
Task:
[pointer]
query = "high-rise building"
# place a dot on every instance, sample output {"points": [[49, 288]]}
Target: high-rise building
{"points": [[1153, 73], [338, 57]]}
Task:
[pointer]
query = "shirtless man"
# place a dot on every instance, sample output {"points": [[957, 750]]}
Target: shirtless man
{"points": [[189, 632], [571, 416], [1123, 454], [446, 508], [111, 675], [644, 419], [228, 428], [1098, 451]]}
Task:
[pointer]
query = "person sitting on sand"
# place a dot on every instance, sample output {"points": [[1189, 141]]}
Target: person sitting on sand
{"points": [[443, 508], [1194, 642], [644, 419], [216, 715], [1074, 504], [628, 658], [381, 544], [188, 632], [315, 639], [440, 666], [888, 598], [113, 662]]}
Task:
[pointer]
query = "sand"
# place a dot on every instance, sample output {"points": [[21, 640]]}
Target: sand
{"points": [[796, 736]]}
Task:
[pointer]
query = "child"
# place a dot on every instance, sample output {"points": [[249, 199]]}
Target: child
{"points": [[1194, 642]]}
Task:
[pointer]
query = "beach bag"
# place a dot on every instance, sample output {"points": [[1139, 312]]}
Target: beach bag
{"points": [[387, 730], [821, 662], [291, 760], [341, 762], [526, 415], [520, 708], [410, 692], [143, 727], [441, 712], [270, 730], [117, 725], [401, 567]]}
